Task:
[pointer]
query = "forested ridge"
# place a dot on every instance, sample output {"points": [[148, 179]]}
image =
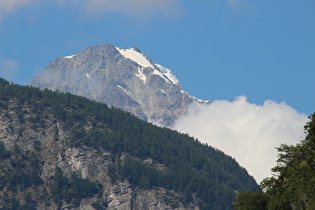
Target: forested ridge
{"points": [[180, 163]]}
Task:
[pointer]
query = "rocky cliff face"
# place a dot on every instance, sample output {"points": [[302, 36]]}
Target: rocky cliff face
{"points": [[60, 151], [120, 77], [21, 129]]}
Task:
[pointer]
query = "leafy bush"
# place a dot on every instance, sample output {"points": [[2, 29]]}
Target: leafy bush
{"points": [[292, 187], [72, 189]]}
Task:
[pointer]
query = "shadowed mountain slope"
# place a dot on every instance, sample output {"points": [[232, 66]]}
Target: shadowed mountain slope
{"points": [[63, 151]]}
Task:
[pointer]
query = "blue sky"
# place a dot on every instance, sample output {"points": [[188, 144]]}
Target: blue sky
{"points": [[217, 49], [263, 51]]}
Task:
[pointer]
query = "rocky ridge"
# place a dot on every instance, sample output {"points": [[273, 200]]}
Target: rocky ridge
{"points": [[19, 131], [121, 77], [60, 151]]}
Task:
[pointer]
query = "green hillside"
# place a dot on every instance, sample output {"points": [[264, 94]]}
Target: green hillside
{"points": [[146, 156]]}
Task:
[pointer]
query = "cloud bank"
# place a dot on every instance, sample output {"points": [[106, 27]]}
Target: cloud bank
{"points": [[235, 4], [138, 8], [135, 8], [248, 132], [241, 6], [10, 6]]}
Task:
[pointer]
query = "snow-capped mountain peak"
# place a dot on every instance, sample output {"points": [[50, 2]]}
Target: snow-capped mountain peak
{"points": [[105, 73], [168, 73], [136, 56]]}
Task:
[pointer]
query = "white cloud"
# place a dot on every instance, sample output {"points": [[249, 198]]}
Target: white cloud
{"points": [[10, 6], [138, 8], [241, 6], [246, 131], [235, 4], [8, 69], [135, 8]]}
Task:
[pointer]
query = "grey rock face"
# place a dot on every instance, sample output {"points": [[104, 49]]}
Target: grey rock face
{"points": [[85, 161], [120, 77]]}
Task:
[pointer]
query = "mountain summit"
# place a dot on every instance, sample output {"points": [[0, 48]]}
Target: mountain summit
{"points": [[120, 77]]}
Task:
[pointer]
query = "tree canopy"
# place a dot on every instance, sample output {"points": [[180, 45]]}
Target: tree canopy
{"points": [[293, 183]]}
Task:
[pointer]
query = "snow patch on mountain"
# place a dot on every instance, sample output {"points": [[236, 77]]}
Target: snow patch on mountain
{"points": [[168, 73], [166, 76], [134, 55], [157, 72], [142, 60], [194, 98], [126, 91], [141, 75], [68, 57]]}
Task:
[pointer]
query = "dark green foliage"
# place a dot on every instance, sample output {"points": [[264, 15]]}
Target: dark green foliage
{"points": [[19, 171], [190, 168], [4, 154], [98, 206], [112, 172], [30, 204], [56, 133], [23, 170], [293, 186], [251, 201], [9, 202], [37, 145], [71, 189]]}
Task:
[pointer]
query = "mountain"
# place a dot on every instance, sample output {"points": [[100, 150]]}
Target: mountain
{"points": [[121, 77], [60, 151]]}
